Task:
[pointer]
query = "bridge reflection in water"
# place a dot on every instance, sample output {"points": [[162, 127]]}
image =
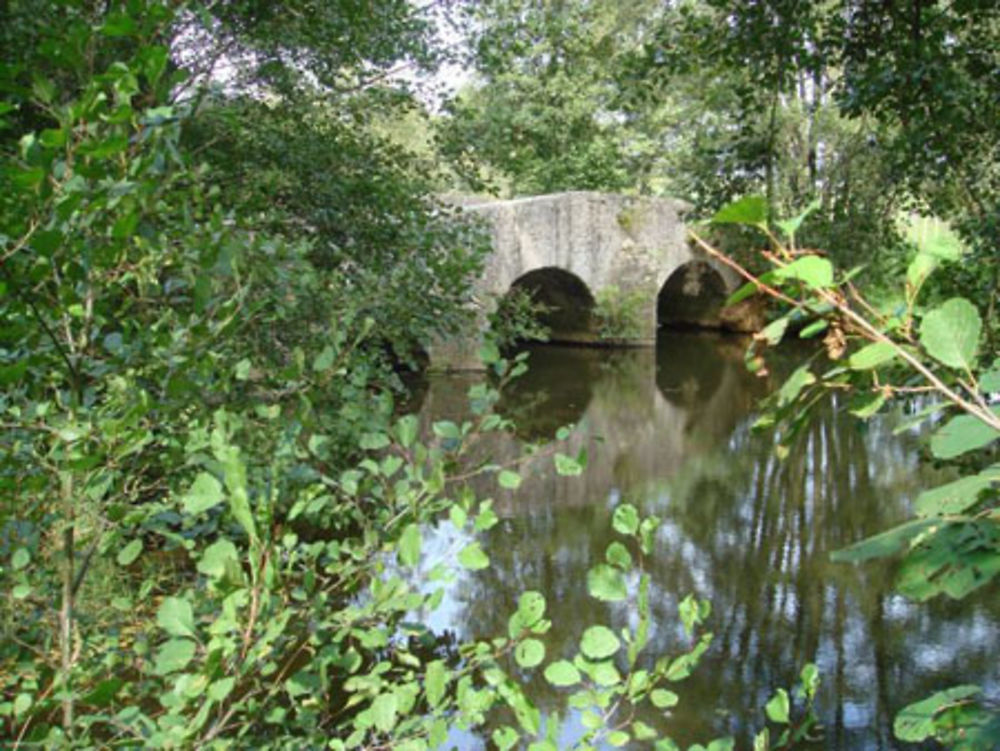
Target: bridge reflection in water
{"points": [[669, 432]]}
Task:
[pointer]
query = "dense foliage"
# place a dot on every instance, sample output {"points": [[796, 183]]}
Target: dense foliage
{"points": [[214, 252]]}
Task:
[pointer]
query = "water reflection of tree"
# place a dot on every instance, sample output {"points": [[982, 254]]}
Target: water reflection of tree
{"points": [[760, 536], [753, 534]]}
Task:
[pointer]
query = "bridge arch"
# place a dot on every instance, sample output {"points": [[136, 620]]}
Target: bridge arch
{"points": [[568, 302], [692, 296]]}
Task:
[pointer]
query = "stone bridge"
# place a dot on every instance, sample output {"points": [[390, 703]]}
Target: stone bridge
{"points": [[584, 255]]}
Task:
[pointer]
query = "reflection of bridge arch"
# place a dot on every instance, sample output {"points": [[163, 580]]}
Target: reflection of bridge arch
{"points": [[634, 432]]}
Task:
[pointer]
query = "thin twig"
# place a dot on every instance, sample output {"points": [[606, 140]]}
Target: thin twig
{"points": [[867, 330], [763, 286]]}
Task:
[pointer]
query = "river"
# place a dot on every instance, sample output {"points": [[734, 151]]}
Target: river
{"points": [[670, 431]]}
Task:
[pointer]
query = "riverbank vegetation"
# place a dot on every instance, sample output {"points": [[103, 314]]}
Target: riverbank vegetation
{"points": [[220, 243]]}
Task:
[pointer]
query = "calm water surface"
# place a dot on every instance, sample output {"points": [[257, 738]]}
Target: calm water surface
{"points": [[669, 431]]}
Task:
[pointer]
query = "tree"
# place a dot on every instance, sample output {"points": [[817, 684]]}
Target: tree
{"points": [[541, 117], [916, 75], [308, 166]]}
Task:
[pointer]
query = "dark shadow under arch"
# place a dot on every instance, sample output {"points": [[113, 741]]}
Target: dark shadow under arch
{"points": [[692, 297], [570, 304]]}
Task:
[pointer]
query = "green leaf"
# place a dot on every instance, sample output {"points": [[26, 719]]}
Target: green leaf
{"points": [[473, 558], [384, 711], [567, 466], [750, 210], [236, 483], [791, 226], [617, 555], [485, 519], [509, 480], [693, 612], [489, 354], [915, 722], [816, 327], [219, 558], [647, 530], [458, 516], [22, 703], [603, 673], [373, 441], [529, 653], [505, 738], [868, 405], [606, 583], [435, 682], [953, 558], [681, 667], [324, 360], [242, 371], [950, 333], [205, 493], [127, 555], [104, 692], [722, 744], [625, 520], [599, 642], [407, 428], [989, 382], [27, 179], [562, 673], [531, 608], [934, 237], [960, 435], [921, 267], [119, 24], [109, 147], [793, 386], [20, 559], [747, 290], [872, 355], [775, 330], [956, 497], [527, 714], [663, 699], [176, 617], [447, 429], [778, 707], [810, 679], [618, 738], [815, 272], [410, 543], [173, 656], [220, 689], [883, 544]]}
